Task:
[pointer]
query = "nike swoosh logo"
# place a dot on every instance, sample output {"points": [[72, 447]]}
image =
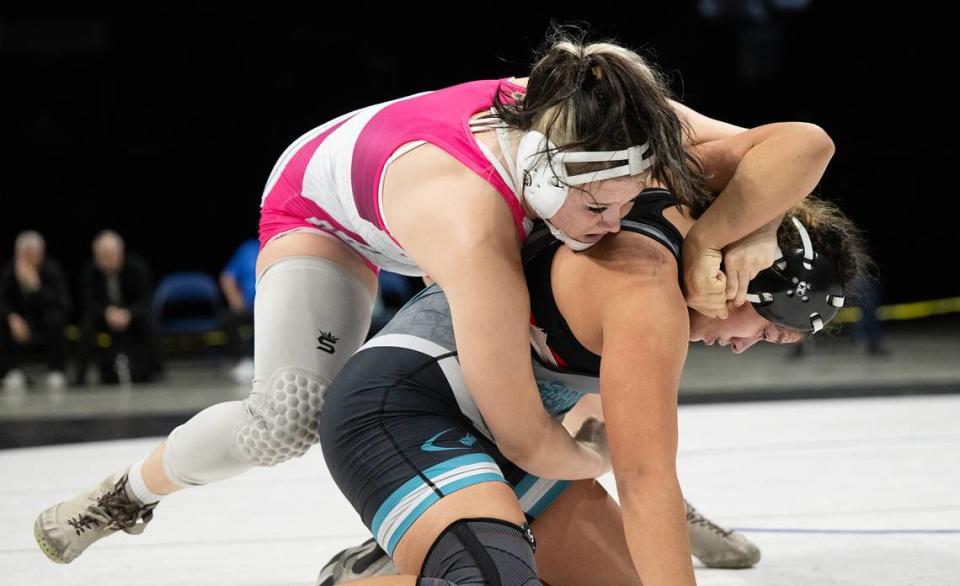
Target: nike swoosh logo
{"points": [[429, 447]]}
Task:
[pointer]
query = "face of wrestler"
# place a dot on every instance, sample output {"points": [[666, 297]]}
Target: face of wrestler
{"points": [[743, 328], [594, 209]]}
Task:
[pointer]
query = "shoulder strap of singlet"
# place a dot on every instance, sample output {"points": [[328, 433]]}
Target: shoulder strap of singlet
{"points": [[645, 217], [546, 314]]}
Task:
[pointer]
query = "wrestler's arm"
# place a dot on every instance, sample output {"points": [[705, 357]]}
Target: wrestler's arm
{"points": [[702, 128], [470, 248], [760, 174], [645, 338]]}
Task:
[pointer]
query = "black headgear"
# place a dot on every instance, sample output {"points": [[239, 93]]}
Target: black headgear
{"points": [[802, 290]]}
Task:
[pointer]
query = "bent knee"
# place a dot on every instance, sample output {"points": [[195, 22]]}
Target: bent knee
{"points": [[481, 551], [285, 416]]}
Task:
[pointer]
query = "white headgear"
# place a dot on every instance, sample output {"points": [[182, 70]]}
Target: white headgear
{"points": [[545, 179]]}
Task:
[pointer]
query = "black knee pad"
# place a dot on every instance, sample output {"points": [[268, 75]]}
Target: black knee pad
{"points": [[481, 551]]}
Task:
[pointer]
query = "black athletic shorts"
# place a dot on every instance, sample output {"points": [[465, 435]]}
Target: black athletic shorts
{"points": [[398, 433]]}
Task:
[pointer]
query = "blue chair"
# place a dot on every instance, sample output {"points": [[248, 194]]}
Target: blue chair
{"points": [[187, 303]]}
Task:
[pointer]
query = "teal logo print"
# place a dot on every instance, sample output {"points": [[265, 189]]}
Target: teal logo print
{"points": [[467, 441]]}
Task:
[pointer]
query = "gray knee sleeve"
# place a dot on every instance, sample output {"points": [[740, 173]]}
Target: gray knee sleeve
{"points": [[310, 316], [481, 551]]}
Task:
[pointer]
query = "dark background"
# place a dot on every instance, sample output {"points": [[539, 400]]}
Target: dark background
{"points": [[164, 126]]}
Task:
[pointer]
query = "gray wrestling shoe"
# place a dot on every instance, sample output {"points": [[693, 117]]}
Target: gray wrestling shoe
{"points": [[717, 547], [66, 529], [360, 561]]}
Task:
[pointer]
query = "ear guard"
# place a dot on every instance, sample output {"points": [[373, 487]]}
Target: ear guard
{"points": [[802, 290], [545, 179]]}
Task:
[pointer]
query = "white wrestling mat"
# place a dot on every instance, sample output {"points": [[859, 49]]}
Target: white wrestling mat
{"points": [[836, 492]]}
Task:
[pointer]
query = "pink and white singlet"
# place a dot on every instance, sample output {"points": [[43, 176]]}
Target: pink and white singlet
{"points": [[330, 180]]}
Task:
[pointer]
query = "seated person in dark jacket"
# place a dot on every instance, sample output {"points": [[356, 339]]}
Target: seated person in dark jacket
{"points": [[117, 291], [34, 304]]}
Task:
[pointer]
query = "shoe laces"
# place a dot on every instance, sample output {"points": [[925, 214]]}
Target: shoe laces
{"points": [[114, 510], [82, 522], [695, 518]]}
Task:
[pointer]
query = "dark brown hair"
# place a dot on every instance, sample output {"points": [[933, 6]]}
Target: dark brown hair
{"points": [[603, 97]]}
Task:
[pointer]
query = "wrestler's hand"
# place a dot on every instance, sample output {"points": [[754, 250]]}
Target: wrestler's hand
{"points": [[745, 258], [593, 436], [704, 284]]}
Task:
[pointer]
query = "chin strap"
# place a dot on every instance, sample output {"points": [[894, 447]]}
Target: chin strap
{"points": [[574, 245]]}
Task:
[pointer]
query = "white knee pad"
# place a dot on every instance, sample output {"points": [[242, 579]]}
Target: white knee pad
{"points": [[284, 417], [310, 315]]}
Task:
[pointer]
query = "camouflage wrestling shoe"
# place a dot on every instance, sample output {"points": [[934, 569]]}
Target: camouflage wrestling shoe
{"points": [[360, 561], [717, 547], [66, 529]]}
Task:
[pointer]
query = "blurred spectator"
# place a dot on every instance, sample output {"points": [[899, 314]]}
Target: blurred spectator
{"points": [[34, 304], [117, 290], [868, 328], [238, 281]]}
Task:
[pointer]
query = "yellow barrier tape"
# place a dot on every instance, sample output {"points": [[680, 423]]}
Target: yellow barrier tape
{"points": [[901, 311]]}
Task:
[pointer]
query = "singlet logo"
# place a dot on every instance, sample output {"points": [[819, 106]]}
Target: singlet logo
{"points": [[327, 341], [467, 442]]}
